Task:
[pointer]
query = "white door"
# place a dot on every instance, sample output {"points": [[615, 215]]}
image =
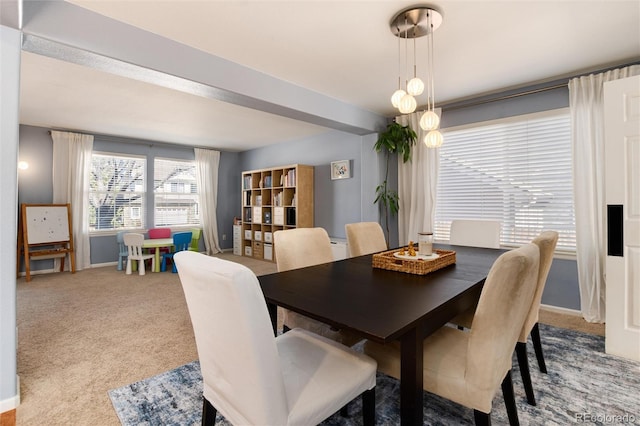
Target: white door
{"points": [[622, 174]]}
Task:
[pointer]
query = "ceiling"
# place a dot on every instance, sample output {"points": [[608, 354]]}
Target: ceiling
{"points": [[343, 50]]}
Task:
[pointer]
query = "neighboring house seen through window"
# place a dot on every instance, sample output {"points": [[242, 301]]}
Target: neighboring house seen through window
{"points": [[517, 171], [175, 193], [117, 192]]}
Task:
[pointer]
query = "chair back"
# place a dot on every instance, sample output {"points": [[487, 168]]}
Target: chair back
{"points": [[546, 242], [181, 241], [122, 248], [475, 233], [156, 233], [195, 239], [301, 247], [134, 242], [240, 364], [503, 305], [365, 238]]}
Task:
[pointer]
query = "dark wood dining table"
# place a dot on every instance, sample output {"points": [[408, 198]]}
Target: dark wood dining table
{"points": [[385, 306]]}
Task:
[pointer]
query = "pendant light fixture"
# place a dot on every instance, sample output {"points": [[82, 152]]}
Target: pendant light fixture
{"points": [[416, 22]]}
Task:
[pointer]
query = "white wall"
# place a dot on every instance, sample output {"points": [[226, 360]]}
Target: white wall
{"points": [[9, 116]]}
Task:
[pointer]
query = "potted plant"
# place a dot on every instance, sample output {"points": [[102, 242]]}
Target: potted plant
{"points": [[397, 139]]}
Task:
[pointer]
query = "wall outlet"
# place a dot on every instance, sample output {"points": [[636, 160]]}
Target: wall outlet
{"points": [[224, 237]]}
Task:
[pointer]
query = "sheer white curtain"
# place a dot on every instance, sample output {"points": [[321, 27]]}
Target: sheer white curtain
{"points": [[587, 128], [417, 184], [207, 162], [71, 168]]}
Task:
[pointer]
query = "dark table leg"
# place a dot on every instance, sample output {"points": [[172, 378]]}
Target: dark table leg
{"points": [[411, 378], [273, 313]]}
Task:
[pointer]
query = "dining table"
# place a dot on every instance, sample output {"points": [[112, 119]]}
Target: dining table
{"points": [[157, 244], [384, 305]]}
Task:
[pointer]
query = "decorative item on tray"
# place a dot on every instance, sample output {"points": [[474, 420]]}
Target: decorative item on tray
{"points": [[402, 260]]}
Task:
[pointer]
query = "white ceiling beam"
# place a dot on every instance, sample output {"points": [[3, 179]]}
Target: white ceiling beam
{"points": [[68, 32]]}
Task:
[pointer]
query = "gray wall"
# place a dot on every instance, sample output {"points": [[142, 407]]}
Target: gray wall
{"points": [[9, 118], [337, 202]]}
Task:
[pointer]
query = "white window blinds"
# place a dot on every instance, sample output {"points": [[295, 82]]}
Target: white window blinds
{"points": [[517, 171], [175, 193]]}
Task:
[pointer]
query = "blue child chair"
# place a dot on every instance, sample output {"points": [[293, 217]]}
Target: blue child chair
{"points": [[181, 241], [122, 249]]}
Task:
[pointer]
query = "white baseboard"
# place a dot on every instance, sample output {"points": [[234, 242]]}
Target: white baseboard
{"points": [[561, 310], [39, 272], [100, 265], [13, 402], [55, 270]]}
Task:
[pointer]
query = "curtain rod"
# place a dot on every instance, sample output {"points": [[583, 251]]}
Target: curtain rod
{"points": [[559, 83], [503, 97]]}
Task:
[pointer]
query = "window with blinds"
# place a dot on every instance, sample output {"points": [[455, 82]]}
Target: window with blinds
{"points": [[117, 192], [517, 171], [175, 193]]}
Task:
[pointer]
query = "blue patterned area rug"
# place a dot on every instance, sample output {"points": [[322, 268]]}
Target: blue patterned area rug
{"points": [[584, 385]]}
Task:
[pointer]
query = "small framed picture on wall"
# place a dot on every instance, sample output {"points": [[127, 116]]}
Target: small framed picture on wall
{"points": [[340, 169]]}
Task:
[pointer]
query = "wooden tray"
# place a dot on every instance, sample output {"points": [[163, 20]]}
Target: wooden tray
{"points": [[386, 260]]}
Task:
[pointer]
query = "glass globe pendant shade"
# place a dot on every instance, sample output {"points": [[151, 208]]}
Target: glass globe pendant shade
{"points": [[395, 98], [433, 139], [408, 104], [429, 121], [415, 86]]}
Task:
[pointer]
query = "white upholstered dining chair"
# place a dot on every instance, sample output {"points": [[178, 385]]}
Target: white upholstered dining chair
{"points": [[134, 242], [475, 233], [252, 377], [468, 367], [365, 238], [299, 248]]}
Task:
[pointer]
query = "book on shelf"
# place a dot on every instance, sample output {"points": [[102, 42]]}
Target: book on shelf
{"points": [[247, 182], [290, 178], [267, 181], [277, 199], [258, 200]]}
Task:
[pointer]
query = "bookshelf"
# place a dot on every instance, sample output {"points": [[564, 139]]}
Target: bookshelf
{"points": [[274, 199]]}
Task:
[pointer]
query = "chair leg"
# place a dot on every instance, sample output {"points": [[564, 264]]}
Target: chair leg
{"points": [[141, 267], [163, 264], [128, 272], [119, 263], [510, 400], [344, 411], [285, 328], [369, 407], [482, 419], [208, 413], [523, 363], [537, 346]]}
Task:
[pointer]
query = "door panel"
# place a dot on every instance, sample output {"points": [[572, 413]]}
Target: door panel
{"points": [[622, 177]]}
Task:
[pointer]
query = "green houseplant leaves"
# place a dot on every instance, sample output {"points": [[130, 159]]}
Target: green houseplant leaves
{"points": [[396, 139]]}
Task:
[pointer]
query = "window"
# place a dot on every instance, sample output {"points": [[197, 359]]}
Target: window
{"points": [[517, 171], [116, 192], [175, 193]]}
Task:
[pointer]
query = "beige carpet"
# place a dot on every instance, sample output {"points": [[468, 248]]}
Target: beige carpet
{"points": [[81, 334]]}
